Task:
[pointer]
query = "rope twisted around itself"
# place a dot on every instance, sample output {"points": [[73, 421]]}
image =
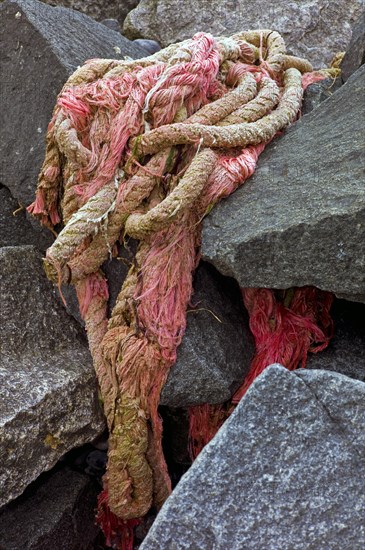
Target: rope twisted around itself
{"points": [[146, 148]]}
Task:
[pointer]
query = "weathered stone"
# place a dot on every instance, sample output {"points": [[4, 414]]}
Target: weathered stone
{"points": [[56, 511], [48, 389], [346, 351], [15, 227], [318, 92], [41, 46], [112, 24], [217, 347], [285, 471], [98, 9], [149, 45], [300, 218], [355, 54], [315, 29]]}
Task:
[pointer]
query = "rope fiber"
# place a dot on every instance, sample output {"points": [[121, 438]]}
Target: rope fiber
{"points": [[145, 149]]}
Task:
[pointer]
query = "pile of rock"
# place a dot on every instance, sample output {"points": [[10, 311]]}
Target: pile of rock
{"points": [[286, 468], [315, 29]]}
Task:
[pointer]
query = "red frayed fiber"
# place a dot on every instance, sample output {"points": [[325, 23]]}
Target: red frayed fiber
{"points": [[145, 149]]}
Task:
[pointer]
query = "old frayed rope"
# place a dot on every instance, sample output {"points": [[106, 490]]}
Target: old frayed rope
{"points": [[146, 148]]}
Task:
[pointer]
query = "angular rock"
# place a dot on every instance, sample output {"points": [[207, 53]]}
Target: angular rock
{"points": [[318, 92], [217, 347], [300, 218], [41, 46], [16, 228], [112, 24], [355, 54], [315, 29], [346, 351], [57, 511], [98, 9], [150, 45], [285, 471], [48, 390]]}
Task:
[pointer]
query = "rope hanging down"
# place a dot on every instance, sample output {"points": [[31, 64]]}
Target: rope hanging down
{"points": [[146, 148]]}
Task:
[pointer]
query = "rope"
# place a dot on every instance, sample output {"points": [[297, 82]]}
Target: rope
{"points": [[146, 148]]}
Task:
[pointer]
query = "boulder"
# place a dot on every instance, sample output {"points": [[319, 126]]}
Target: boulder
{"points": [[217, 347], [98, 9], [149, 45], [355, 54], [299, 220], [57, 511], [346, 351], [41, 46], [318, 92], [315, 29], [16, 226], [48, 389], [285, 471], [113, 24]]}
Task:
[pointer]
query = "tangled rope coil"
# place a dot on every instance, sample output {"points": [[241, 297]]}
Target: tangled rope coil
{"points": [[146, 148]]}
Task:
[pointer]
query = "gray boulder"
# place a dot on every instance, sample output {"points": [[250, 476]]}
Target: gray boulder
{"points": [[299, 220], [285, 471], [98, 9], [355, 54], [318, 92], [56, 511], [41, 46], [150, 45], [48, 390], [16, 226], [112, 24], [217, 347], [315, 29]]}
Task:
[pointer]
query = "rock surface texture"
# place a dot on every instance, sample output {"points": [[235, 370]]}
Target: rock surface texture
{"points": [[318, 92], [300, 219], [16, 226], [98, 9], [285, 471], [314, 29], [48, 389], [355, 54], [217, 347], [41, 46], [57, 513]]}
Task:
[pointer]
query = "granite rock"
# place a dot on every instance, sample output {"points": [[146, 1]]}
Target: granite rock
{"points": [[217, 347], [112, 24], [318, 92], [285, 471], [48, 390], [41, 46], [98, 9], [300, 219], [355, 54], [315, 29], [56, 511], [16, 227], [151, 46]]}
